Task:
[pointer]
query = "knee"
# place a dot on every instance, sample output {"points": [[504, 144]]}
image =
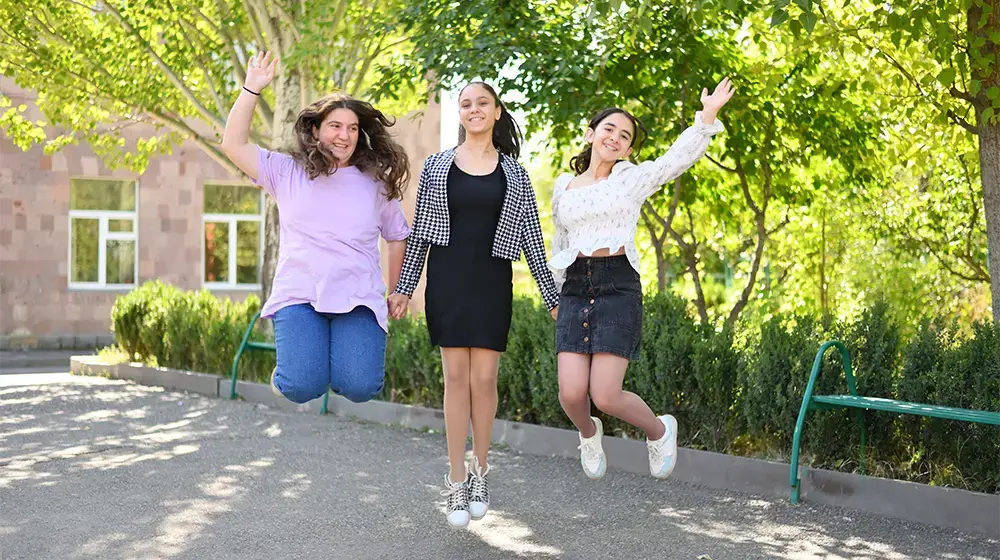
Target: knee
{"points": [[362, 391], [457, 378], [572, 395], [605, 400], [298, 391], [484, 381]]}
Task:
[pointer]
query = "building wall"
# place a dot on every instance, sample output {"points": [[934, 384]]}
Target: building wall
{"points": [[35, 298]]}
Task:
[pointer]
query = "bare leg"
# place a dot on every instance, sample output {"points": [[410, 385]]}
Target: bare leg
{"points": [[574, 381], [457, 403], [484, 366], [607, 373]]}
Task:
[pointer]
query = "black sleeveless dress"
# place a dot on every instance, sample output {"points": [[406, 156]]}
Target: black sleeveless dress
{"points": [[469, 292]]}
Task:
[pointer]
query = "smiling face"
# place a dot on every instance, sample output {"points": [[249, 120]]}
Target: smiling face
{"points": [[478, 111], [339, 134], [612, 139]]}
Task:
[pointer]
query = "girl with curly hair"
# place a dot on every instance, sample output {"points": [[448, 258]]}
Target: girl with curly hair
{"points": [[337, 192]]}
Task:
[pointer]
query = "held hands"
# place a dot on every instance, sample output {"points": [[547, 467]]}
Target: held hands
{"points": [[398, 304], [712, 103], [555, 313], [260, 71]]}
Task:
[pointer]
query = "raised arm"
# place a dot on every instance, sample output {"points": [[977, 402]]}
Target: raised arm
{"points": [[236, 138], [649, 176]]}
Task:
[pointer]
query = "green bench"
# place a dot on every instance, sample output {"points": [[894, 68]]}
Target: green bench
{"points": [[251, 345], [859, 403]]}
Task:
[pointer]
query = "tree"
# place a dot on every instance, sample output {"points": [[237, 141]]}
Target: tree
{"points": [[789, 113], [102, 67], [945, 54]]}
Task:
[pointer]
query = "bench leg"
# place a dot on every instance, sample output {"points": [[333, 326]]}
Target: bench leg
{"points": [[239, 354], [326, 399]]}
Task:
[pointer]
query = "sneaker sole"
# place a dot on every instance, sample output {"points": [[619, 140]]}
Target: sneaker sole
{"points": [[600, 471], [458, 526], [478, 517]]}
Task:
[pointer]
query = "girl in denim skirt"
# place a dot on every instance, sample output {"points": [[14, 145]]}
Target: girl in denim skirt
{"points": [[595, 265]]}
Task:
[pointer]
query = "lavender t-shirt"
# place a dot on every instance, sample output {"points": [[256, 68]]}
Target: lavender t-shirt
{"points": [[328, 253]]}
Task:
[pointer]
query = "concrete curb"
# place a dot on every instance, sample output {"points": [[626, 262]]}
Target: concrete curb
{"points": [[944, 507]]}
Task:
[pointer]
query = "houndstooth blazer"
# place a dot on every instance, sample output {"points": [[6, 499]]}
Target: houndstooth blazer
{"points": [[518, 230]]}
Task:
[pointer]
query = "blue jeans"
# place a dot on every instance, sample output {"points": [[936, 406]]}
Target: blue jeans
{"points": [[344, 352]]}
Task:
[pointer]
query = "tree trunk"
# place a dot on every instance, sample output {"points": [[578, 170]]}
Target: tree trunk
{"points": [[287, 104], [822, 264], [989, 161], [989, 140]]}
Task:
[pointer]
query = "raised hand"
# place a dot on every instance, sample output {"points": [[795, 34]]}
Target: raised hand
{"points": [[712, 103], [260, 71]]}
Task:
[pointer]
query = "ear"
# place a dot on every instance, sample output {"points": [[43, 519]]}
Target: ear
{"points": [[589, 136], [499, 113], [627, 153], [316, 132]]}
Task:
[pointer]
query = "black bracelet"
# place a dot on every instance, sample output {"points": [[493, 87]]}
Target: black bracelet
{"points": [[249, 91]]}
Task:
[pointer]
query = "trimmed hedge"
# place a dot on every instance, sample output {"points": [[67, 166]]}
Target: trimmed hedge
{"points": [[736, 393]]}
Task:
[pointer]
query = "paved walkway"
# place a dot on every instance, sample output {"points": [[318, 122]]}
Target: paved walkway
{"points": [[97, 468]]}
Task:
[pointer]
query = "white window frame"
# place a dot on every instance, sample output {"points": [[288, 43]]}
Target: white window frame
{"points": [[103, 236], [232, 220]]}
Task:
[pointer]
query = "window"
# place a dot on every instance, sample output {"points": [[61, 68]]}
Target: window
{"points": [[102, 233], [234, 236]]}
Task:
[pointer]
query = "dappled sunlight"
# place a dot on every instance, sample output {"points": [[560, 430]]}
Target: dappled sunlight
{"points": [[779, 540], [112, 431], [295, 486], [504, 532], [272, 431], [189, 518]]}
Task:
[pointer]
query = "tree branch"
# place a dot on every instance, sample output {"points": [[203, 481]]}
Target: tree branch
{"points": [[745, 185], [289, 20], [719, 164], [255, 26], [916, 83], [210, 148], [214, 119], [752, 278]]}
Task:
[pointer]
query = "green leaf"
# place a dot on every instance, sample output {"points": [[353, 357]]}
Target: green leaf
{"points": [[808, 20], [988, 114], [993, 93], [947, 77], [778, 17], [974, 87]]}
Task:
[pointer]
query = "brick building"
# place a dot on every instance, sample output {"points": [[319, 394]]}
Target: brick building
{"points": [[74, 235]]}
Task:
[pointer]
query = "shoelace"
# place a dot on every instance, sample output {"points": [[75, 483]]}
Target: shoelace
{"points": [[656, 448], [478, 488], [456, 492], [590, 448]]}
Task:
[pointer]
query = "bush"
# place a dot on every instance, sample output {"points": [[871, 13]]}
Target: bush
{"points": [[733, 392]]}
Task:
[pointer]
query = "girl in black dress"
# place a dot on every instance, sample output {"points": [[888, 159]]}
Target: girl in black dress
{"points": [[476, 212]]}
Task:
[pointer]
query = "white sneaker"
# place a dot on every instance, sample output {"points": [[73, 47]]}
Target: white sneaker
{"points": [[663, 452], [457, 506], [274, 388], [479, 490], [592, 453]]}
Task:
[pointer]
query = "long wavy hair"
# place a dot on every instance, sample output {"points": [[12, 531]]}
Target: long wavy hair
{"points": [[507, 136], [581, 161], [376, 152]]}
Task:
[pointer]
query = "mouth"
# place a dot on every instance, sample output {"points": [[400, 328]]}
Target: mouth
{"points": [[336, 146], [476, 119], [608, 146]]}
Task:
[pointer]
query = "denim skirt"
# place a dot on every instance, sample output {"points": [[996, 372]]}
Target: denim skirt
{"points": [[600, 308]]}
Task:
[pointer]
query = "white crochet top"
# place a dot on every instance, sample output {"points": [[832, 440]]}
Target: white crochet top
{"points": [[605, 215]]}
